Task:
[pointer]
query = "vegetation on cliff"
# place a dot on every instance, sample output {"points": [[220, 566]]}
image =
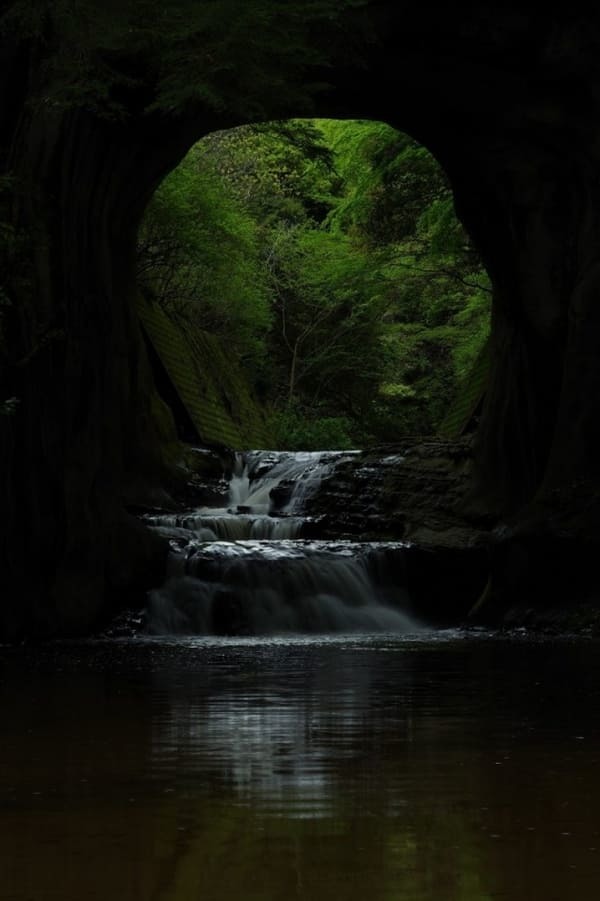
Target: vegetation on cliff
{"points": [[328, 256]]}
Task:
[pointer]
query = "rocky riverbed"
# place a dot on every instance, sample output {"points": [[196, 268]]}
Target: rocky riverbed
{"points": [[412, 492]]}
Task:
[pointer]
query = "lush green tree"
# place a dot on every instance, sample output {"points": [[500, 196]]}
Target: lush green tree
{"points": [[344, 234], [243, 59], [278, 186], [330, 317], [280, 172], [397, 203], [199, 254]]}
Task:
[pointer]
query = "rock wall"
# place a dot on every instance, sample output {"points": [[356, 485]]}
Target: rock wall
{"points": [[509, 102], [412, 491], [464, 412], [210, 383]]}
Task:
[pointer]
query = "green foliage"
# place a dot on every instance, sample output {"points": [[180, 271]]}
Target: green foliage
{"points": [[278, 173], [474, 322], [297, 428], [399, 203], [199, 253], [330, 248], [329, 319], [249, 58]]}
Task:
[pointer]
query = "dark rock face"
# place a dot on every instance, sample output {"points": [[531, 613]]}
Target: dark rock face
{"points": [[89, 434], [413, 492], [410, 490], [509, 103], [511, 109]]}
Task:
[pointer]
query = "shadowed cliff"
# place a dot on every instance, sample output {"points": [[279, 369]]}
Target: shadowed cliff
{"points": [[507, 101]]}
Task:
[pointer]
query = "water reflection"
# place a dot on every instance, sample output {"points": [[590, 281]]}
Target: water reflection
{"points": [[387, 769], [280, 742]]}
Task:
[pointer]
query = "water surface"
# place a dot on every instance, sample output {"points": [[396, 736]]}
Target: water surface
{"points": [[442, 766]]}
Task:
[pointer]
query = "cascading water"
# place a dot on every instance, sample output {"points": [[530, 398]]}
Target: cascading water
{"points": [[257, 473], [243, 569], [239, 484]]}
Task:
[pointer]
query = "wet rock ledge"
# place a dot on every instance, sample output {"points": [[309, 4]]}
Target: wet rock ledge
{"points": [[411, 491]]}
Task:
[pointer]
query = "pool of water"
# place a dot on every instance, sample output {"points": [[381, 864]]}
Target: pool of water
{"points": [[433, 766]]}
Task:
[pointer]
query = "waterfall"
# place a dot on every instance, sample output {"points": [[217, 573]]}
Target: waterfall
{"points": [[213, 525], [257, 473], [239, 484], [243, 570]]}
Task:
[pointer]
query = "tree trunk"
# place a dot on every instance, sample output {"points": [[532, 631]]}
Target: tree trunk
{"points": [[292, 379]]}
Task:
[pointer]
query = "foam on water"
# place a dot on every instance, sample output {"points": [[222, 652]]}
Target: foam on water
{"points": [[243, 570]]}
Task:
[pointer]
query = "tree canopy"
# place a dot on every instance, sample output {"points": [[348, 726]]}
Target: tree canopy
{"points": [[328, 256], [225, 56]]}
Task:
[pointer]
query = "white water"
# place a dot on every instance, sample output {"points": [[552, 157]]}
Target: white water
{"points": [[239, 570], [213, 525], [259, 472], [239, 484]]}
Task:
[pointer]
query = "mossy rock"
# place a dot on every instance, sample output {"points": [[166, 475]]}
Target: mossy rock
{"points": [[462, 412], [209, 383]]}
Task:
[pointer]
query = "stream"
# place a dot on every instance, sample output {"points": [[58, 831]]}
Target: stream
{"points": [[246, 569], [283, 727], [440, 767]]}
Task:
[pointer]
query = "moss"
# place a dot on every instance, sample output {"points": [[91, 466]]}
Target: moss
{"points": [[209, 383], [461, 412]]}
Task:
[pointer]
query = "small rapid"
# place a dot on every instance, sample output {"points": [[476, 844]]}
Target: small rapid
{"points": [[221, 525], [257, 473], [244, 569]]}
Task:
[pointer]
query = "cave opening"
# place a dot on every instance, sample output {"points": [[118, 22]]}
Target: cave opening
{"points": [[326, 257], [250, 752], [104, 110]]}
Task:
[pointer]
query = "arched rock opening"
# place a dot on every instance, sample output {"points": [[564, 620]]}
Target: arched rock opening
{"points": [[509, 105]]}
